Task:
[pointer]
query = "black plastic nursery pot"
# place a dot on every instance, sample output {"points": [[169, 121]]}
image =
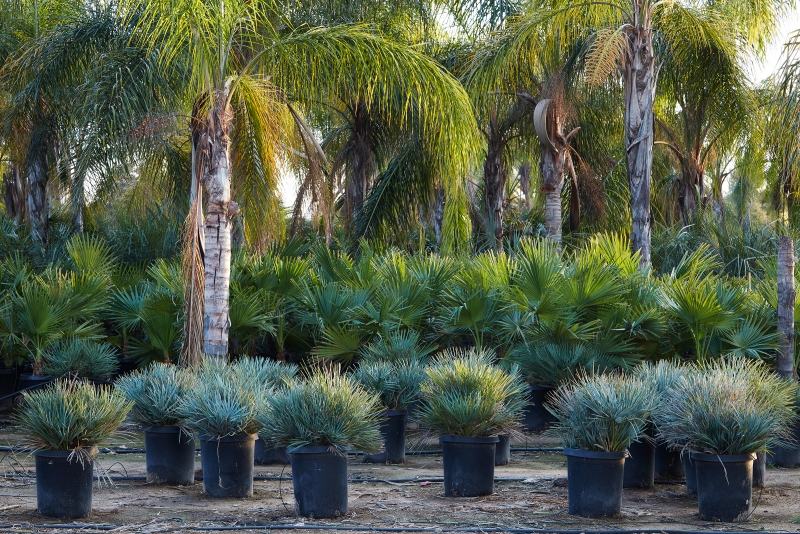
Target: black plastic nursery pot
{"points": [[668, 463], [64, 483], [319, 478], [267, 454], [759, 469], [536, 416], [228, 465], [393, 433], [502, 452], [31, 382], [690, 472], [169, 455], [594, 482], [640, 465], [787, 456], [724, 486], [8, 383], [468, 465]]}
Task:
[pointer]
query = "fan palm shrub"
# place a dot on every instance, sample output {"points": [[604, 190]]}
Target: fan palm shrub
{"points": [[601, 412], [598, 418], [320, 418], [84, 358], [64, 423], [224, 408], [397, 385], [733, 406], [469, 401], [724, 414], [157, 392]]}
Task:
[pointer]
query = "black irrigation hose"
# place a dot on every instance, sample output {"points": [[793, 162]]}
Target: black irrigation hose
{"points": [[133, 478], [470, 528], [408, 453]]}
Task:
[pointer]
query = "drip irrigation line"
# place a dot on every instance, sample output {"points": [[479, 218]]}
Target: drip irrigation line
{"points": [[468, 527], [408, 453]]}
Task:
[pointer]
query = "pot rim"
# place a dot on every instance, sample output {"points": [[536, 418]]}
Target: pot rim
{"points": [[724, 458], [228, 439], [599, 455], [532, 387], [58, 453], [394, 413], [164, 429], [314, 449], [31, 376], [469, 439]]}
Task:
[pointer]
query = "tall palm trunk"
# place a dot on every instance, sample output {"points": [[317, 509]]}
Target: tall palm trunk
{"points": [[494, 184], [38, 205], [14, 194], [360, 161], [640, 82], [784, 363], [691, 190], [218, 226], [525, 184], [552, 165]]}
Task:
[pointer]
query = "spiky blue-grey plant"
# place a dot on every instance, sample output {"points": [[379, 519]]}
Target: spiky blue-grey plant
{"points": [[397, 384], [157, 392]]}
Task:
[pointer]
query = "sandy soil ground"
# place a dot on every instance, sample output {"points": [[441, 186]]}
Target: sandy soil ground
{"points": [[539, 502]]}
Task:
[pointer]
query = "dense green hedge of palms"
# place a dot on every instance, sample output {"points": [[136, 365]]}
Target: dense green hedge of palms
{"points": [[536, 307]]}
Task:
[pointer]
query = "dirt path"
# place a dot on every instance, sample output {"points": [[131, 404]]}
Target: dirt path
{"points": [[538, 502]]}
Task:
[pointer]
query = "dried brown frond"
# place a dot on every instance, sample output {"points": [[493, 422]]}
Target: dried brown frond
{"points": [[193, 290]]}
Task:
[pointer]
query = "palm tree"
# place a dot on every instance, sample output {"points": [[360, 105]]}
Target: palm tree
{"points": [[624, 37], [243, 69], [706, 105]]}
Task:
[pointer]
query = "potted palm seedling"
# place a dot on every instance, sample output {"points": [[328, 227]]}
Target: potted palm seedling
{"points": [[82, 358], [545, 366], [652, 456], [223, 408], [156, 392], [725, 414], [469, 401], [598, 417], [267, 374], [397, 385], [64, 422], [320, 419]]}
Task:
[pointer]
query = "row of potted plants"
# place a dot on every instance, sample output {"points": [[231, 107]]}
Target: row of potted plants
{"points": [[464, 397], [718, 416]]}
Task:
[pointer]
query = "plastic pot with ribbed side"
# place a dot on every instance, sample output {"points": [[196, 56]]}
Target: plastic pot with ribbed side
{"points": [[787, 456], [536, 416], [393, 433], [502, 453], [468, 465], [594, 482], [170, 455], [319, 478], [640, 465], [668, 463], [268, 454], [64, 483], [724, 486], [228, 465]]}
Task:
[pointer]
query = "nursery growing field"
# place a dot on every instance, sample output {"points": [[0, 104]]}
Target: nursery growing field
{"points": [[535, 498]]}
